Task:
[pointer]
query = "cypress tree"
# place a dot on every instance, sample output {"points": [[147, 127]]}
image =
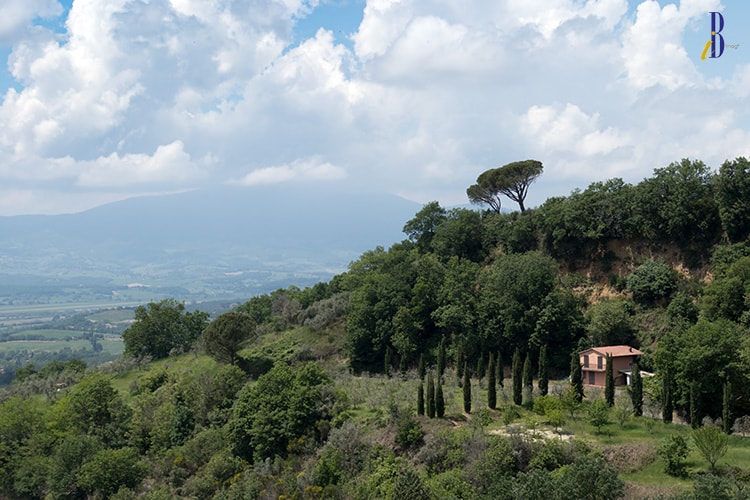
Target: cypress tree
{"points": [[694, 411], [430, 396], [420, 399], [517, 382], [439, 399], [576, 376], [666, 406], [467, 390], [543, 381], [726, 409], [480, 367], [491, 385], [441, 358], [387, 361], [460, 362], [636, 390], [500, 369], [609, 382], [528, 380], [422, 369]]}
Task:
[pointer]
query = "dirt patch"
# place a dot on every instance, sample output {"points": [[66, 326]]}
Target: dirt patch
{"points": [[533, 433], [629, 457]]}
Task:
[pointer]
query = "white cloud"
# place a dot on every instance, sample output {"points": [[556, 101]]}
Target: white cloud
{"points": [[18, 14], [175, 94], [312, 169], [653, 47]]}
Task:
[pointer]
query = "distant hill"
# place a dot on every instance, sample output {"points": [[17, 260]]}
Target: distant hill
{"points": [[201, 244]]}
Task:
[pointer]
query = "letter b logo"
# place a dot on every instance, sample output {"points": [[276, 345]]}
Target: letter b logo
{"points": [[717, 24]]}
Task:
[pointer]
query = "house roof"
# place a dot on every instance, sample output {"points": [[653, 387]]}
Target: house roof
{"points": [[615, 350]]}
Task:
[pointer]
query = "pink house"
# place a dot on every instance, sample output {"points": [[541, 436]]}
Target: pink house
{"points": [[594, 364]]}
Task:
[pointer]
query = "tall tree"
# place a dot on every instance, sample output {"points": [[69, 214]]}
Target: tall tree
{"points": [[726, 410], [512, 180], [576, 376], [430, 396], [480, 367], [543, 375], [500, 369], [161, 327], [528, 377], [439, 399], [636, 390], [609, 381], [666, 394], [441, 357], [420, 398], [491, 384], [421, 229], [467, 390], [223, 337], [422, 368], [517, 380], [733, 198]]}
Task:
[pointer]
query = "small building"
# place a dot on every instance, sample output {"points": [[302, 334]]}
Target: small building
{"points": [[594, 364]]}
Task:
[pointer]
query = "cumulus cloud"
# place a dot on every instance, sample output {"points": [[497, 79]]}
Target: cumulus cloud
{"points": [[174, 94], [18, 14], [312, 169]]}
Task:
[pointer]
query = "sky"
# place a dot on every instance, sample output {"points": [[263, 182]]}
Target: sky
{"points": [[102, 100]]}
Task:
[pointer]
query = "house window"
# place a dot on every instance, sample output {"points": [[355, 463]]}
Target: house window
{"points": [[599, 362], [585, 360], [592, 378]]}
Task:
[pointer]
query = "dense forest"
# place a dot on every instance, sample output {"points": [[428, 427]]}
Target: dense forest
{"points": [[425, 370]]}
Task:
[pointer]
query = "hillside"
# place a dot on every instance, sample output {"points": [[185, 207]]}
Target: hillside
{"points": [[443, 366]]}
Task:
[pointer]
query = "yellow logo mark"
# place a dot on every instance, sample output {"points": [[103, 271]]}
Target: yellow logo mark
{"points": [[705, 50]]}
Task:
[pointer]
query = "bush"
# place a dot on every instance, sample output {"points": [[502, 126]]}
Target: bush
{"points": [[652, 281], [674, 451], [409, 433]]}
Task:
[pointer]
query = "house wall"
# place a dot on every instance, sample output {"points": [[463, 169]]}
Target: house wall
{"points": [[619, 363]]}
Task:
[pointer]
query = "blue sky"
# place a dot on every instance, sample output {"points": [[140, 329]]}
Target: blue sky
{"points": [[107, 99]]}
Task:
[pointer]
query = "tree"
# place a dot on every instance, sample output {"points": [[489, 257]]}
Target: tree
{"points": [[711, 442], [421, 229], [674, 451], [576, 376], [223, 337], [439, 400], [162, 327], [421, 368], [430, 396], [543, 380], [666, 393], [500, 369], [599, 414], [109, 470], [528, 377], [467, 390], [512, 180], [283, 405], [420, 399], [517, 380], [732, 198], [726, 413], [609, 382], [94, 407], [480, 367], [636, 390], [610, 323], [651, 282], [387, 362], [441, 357], [491, 384]]}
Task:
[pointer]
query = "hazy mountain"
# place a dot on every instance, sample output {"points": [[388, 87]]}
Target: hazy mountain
{"points": [[272, 233]]}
